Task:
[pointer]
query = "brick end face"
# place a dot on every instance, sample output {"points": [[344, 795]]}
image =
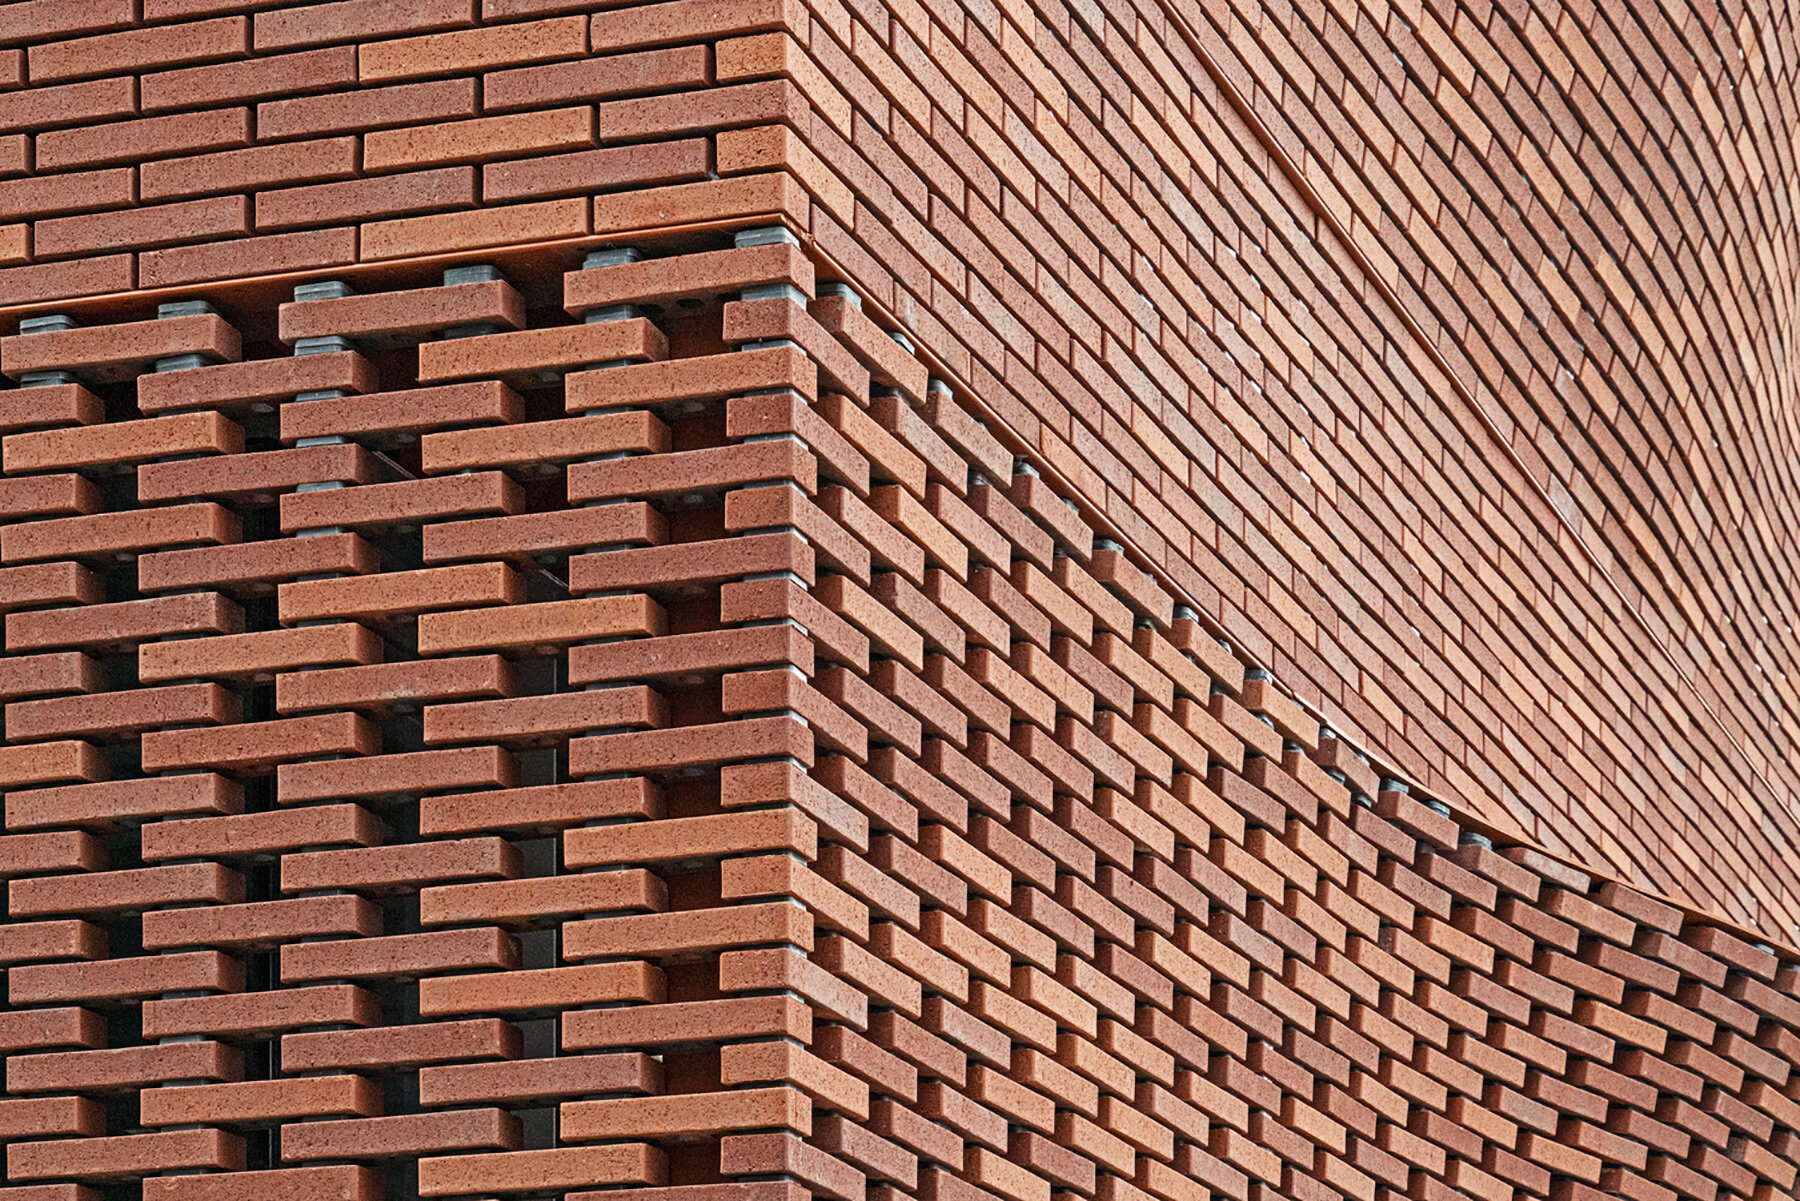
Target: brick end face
{"points": [[757, 601]]}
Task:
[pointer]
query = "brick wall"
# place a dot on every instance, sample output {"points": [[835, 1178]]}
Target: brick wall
{"points": [[772, 599]]}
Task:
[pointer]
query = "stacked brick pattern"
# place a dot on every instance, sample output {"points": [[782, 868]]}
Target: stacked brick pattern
{"points": [[1460, 489], [509, 723], [684, 751]]}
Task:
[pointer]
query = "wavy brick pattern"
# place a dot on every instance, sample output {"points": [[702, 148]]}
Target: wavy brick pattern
{"points": [[670, 746], [505, 725], [1478, 532]]}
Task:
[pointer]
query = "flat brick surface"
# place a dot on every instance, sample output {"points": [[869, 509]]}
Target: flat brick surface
{"points": [[1212, 624]]}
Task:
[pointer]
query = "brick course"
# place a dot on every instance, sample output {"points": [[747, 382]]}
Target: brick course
{"points": [[920, 707]]}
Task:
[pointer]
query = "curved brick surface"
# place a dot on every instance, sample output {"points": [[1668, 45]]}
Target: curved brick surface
{"points": [[1124, 602]]}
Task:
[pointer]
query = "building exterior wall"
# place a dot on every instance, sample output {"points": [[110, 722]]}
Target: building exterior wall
{"points": [[734, 601]]}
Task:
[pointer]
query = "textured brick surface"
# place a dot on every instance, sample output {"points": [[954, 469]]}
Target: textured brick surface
{"points": [[938, 737], [832, 808], [1391, 338]]}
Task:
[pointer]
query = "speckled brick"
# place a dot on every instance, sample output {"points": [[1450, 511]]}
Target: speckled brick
{"points": [[596, 77], [72, 192], [46, 20], [143, 228], [249, 170], [88, 277], [369, 108], [146, 138], [359, 199], [480, 140], [262, 78], [139, 50], [356, 20], [605, 169], [70, 104], [473, 50], [309, 249], [498, 226]]}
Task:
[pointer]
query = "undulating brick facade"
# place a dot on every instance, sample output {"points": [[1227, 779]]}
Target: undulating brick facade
{"points": [[748, 600]]}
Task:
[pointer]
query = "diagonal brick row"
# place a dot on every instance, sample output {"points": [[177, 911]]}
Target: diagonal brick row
{"points": [[669, 742]]}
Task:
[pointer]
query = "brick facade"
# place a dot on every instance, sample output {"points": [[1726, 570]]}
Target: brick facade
{"points": [[744, 601]]}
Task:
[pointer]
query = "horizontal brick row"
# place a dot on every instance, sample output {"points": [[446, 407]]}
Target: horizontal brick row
{"points": [[176, 153]]}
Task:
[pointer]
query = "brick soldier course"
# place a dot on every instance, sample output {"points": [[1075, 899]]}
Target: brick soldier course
{"points": [[743, 601]]}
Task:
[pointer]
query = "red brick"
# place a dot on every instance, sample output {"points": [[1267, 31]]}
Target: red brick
{"points": [[606, 169], [98, 352], [138, 49], [339, 1182], [361, 199], [69, 104], [403, 1134], [540, 349], [143, 228], [419, 311], [356, 20], [224, 385], [473, 50], [370, 108], [768, 195], [405, 413], [250, 169], [281, 75], [1030, 800], [90, 277], [131, 1154], [685, 21], [49, 195], [42, 20], [557, 1168], [242, 256], [502, 225], [595, 77], [479, 140], [149, 137]]}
